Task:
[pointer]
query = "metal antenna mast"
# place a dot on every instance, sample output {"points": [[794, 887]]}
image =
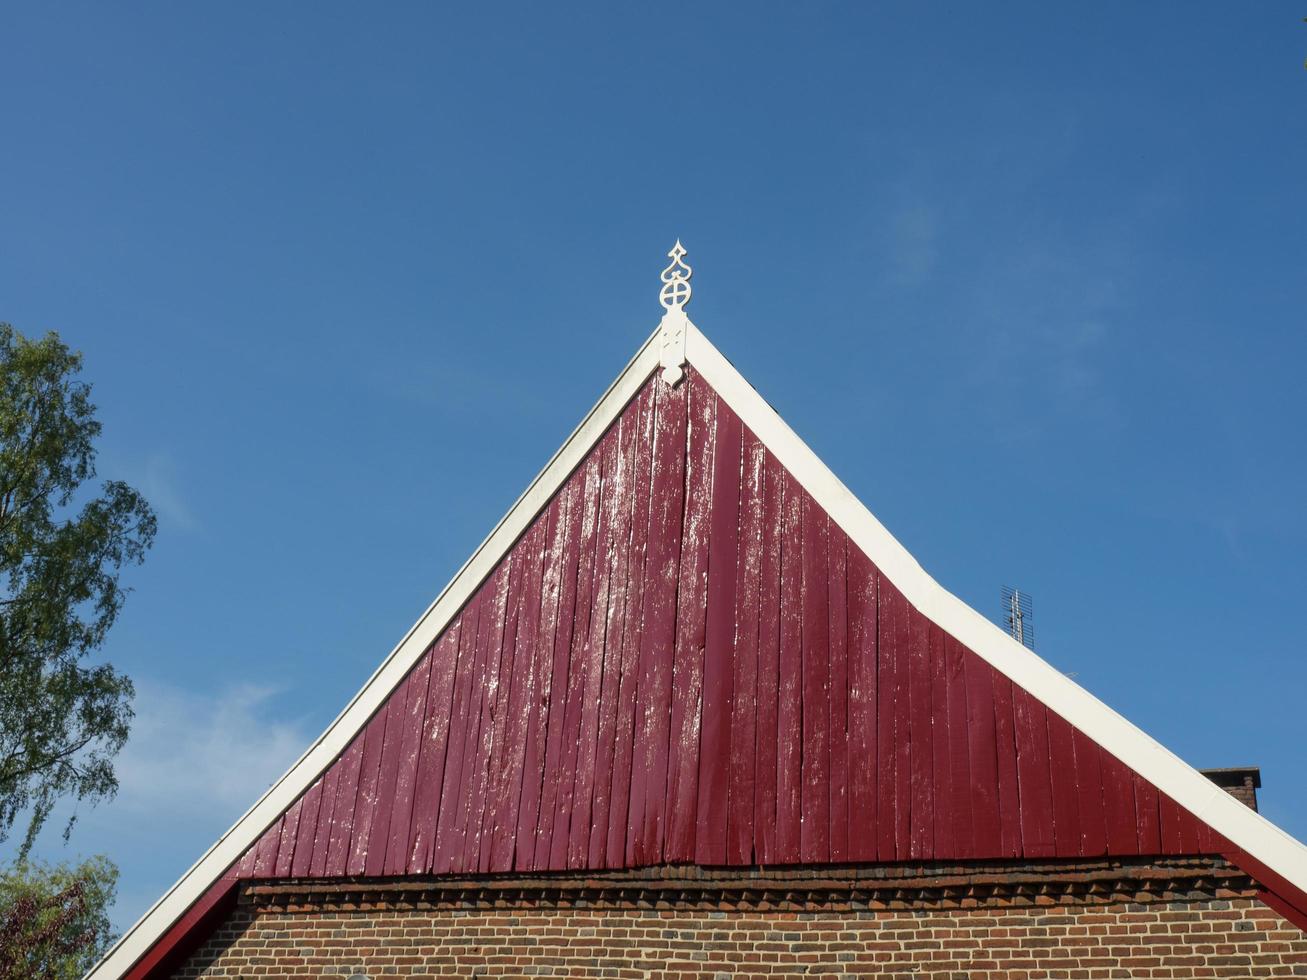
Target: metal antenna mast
{"points": [[1019, 613]]}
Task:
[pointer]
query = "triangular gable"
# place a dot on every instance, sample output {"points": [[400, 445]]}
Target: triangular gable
{"points": [[684, 660], [688, 642]]}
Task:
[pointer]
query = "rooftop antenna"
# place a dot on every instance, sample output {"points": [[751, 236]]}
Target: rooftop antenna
{"points": [[1019, 612]]}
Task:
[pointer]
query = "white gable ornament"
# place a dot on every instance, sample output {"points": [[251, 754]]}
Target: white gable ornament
{"points": [[674, 295]]}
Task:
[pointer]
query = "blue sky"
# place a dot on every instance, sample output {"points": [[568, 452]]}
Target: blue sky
{"points": [[1032, 280]]}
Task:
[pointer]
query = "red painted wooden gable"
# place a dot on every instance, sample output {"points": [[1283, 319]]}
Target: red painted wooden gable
{"points": [[685, 660]]}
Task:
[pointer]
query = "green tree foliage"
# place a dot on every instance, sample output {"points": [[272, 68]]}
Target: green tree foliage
{"points": [[54, 919], [62, 545]]}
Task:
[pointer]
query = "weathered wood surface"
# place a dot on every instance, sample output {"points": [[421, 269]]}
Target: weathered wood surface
{"points": [[685, 660]]}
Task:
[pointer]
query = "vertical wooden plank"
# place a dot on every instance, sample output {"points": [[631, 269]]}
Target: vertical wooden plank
{"points": [[1066, 793], [583, 670], [365, 809], [1119, 806], [433, 756], [1077, 791], [590, 829], [265, 851], [525, 565], [506, 787], [387, 777], [1148, 817], [691, 625], [942, 736], [342, 818], [621, 496], [839, 695], [401, 803], [1171, 820], [446, 849], [789, 707], [892, 609], [286, 847], [485, 679], [579, 663], [245, 869], [862, 707], [542, 672], [1191, 837], [662, 564], [1089, 779], [265, 861], [715, 743], [322, 837], [902, 742], [815, 639], [1209, 841], [301, 863], [744, 656], [245, 866], [769, 634], [620, 813], [555, 744], [1033, 775], [496, 684], [1005, 760], [985, 822], [967, 795], [921, 824]]}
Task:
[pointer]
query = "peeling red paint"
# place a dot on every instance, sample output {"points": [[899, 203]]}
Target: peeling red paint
{"points": [[681, 591], [685, 659]]}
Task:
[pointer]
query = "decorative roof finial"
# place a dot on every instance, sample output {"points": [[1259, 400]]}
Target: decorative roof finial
{"points": [[674, 295], [676, 280]]}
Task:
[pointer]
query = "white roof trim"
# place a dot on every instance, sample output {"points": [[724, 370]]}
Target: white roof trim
{"points": [[1188, 787]]}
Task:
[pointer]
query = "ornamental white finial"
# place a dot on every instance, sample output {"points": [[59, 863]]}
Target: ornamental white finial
{"points": [[674, 295], [676, 280]]}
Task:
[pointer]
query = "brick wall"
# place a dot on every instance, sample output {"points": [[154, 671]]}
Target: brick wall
{"points": [[1087, 925]]}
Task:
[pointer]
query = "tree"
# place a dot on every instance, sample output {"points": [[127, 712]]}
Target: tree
{"points": [[54, 920], [62, 719]]}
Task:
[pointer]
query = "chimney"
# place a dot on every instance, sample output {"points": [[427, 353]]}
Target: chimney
{"points": [[1241, 782]]}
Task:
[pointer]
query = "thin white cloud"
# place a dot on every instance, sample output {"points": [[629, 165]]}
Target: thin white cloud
{"points": [[157, 478], [195, 761], [158, 481], [197, 753]]}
